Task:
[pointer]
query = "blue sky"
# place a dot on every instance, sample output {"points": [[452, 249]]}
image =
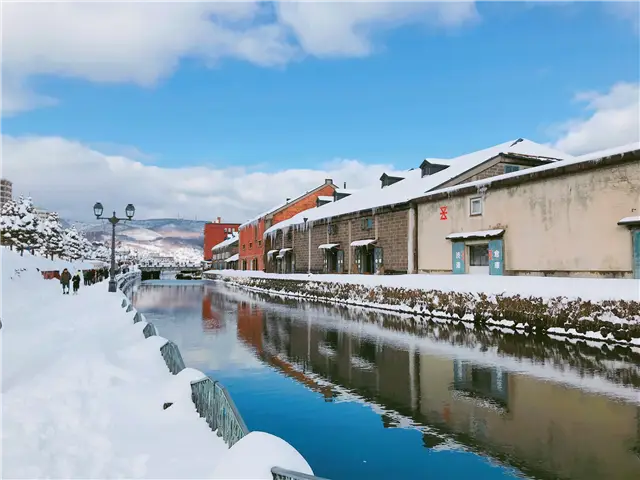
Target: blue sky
{"points": [[419, 90]]}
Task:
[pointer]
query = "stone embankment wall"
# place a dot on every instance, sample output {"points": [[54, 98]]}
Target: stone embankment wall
{"points": [[612, 321]]}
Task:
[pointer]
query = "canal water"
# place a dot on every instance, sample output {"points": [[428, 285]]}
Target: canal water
{"points": [[364, 394]]}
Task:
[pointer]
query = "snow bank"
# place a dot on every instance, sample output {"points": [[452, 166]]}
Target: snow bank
{"points": [[545, 287], [616, 320], [11, 260], [83, 391], [263, 449]]}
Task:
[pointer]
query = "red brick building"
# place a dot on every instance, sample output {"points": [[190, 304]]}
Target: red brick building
{"points": [[216, 232], [251, 245]]}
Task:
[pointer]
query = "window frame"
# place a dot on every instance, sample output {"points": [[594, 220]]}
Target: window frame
{"points": [[477, 200], [514, 168]]}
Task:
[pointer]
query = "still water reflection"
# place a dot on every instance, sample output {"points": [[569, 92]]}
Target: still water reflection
{"points": [[365, 394]]}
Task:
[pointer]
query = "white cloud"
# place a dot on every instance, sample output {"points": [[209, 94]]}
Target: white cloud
{"points": [[142, 42], [612, 119], [70, 177], [346, 29]]}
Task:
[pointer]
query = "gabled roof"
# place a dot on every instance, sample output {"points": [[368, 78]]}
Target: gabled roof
{"points": [[275, 209], [414, 185], [632, 149], [227, 243]]}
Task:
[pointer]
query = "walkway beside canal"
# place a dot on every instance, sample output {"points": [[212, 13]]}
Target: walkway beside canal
{"points": [[598, 309], [87, 392]]}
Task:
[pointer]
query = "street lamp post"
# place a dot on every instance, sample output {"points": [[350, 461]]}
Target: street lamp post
{"points": [[129, 211]]}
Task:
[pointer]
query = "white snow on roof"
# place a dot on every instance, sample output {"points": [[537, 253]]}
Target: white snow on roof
{"points": [[328, 246], [226, 243], [271, 252], [590, 157], [285, 250], [324, 198], [414, 185], [628, 220], [478, 234], [233, 258], [348, 191], [279, 206], [362, 243]]}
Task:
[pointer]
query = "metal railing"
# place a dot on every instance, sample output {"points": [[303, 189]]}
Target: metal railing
{"points": [[211, 399], [216, 406]]}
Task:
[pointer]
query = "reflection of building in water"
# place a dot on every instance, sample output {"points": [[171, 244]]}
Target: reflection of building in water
{"points": [[251, 329], [211, 318], [547, 427]]}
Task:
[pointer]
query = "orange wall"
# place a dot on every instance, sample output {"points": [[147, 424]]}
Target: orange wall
{"points": [[214, 234], [251, 244], [303, 204], [253, 233]]}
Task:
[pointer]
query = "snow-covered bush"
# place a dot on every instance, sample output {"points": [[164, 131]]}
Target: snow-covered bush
{"points": [[19, 225]]}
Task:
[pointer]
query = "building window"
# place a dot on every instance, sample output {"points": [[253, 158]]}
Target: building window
{"points": [[289, 236], [250, 245], [243, 248], [332, 229], [367, 223], [259, 243], [475, 206], [511, 168], [479, 255]]}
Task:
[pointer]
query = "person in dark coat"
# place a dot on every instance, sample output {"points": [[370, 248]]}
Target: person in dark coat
{"points": [[76, 282], [65, 278]]}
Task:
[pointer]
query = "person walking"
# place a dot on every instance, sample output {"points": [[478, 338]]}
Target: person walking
{"points": [[76, 282], [65, 278]]}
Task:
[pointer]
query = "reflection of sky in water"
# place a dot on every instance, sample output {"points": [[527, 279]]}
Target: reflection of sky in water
{"points": [[457, 393]]}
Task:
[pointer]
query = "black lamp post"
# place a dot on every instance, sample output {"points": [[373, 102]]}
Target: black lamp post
{"points": [[129, 211]]}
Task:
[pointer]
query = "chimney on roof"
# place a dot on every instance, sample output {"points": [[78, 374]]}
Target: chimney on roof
{"points": [[328, 181], [219, 220], [345, 185], [287, 200]]}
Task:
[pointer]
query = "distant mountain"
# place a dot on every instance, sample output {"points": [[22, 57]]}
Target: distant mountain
{"points": [[163, 236]]}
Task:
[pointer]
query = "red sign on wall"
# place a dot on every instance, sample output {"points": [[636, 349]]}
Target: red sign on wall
{"points": [[443, 213]]}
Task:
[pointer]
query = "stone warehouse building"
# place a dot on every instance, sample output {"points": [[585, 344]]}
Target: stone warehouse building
{"points": [[225, 254], [252, 248], [374, 230], [577, 218]]}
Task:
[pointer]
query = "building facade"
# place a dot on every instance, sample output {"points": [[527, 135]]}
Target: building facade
{"points": [[252, 245], [225, 254], [216, 232], [577, 219], [6, 191], [382, 239]]}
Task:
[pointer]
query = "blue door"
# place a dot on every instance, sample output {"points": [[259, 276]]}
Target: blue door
{"points": [[635, 236], [457, 249], [496, 257]]}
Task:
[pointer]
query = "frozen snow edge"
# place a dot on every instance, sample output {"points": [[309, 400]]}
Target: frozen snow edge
{"points": [[615, 321]]}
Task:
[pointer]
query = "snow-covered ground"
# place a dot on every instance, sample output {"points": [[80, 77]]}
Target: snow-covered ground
{"points": [[598, 309], [544, 287], [83, 391]]}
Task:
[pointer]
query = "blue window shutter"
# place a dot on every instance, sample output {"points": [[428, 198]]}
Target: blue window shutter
{"points": [[458, 259], [635, 235], [496, 257]]}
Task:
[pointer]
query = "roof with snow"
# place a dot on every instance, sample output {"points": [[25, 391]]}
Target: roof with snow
{"points": [[415, 186], [233, 238], [280, 206], [530, 173]]}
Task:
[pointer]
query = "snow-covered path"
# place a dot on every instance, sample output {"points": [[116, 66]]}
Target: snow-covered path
{"points": [[83, 390]]}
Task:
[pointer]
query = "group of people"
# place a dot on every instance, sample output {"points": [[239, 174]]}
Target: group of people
{"points": [[66, 279], [94, 276], [90, 277]]}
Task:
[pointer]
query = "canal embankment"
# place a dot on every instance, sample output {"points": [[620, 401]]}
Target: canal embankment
{"points": [[86, 391], [599, 309]]}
